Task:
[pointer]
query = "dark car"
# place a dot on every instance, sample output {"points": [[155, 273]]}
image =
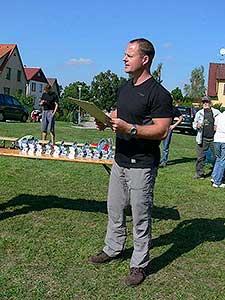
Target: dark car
{"points": [[188, 118], [12, 109]]}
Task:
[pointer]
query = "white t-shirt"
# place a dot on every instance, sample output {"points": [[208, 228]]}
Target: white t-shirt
{"points": [[220, 128]]}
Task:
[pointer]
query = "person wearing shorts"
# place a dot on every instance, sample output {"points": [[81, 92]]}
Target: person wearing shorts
{"points": [[49, 102]]}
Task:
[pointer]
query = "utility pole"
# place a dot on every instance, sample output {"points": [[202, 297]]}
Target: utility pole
{"points": [[79, 89]]}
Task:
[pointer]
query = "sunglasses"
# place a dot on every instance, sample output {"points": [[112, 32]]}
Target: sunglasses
{"points": [[205, 102]]}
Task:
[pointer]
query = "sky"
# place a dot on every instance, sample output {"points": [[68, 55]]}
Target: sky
{"points": [[76, 40]]}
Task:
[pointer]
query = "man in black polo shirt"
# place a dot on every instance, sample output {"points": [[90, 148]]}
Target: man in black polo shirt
{"points": [[49, 102], [141, 121]]}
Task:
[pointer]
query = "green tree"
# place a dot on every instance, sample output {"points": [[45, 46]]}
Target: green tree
{"points": [[27, 101], [60, 88], [196, 88], [72, 90], [66, 106], [104, 88], [177, 94], [157, 73]]}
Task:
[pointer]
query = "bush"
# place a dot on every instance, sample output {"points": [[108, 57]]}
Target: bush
{"points": [[28, 102]]}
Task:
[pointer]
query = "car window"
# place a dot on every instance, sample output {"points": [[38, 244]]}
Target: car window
{"points": [[8, 100], [194, 110], [16, 102], [184, 110], [1, 99]]}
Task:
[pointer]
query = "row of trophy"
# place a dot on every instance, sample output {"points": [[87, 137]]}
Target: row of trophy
{"points": [[103, 150]]}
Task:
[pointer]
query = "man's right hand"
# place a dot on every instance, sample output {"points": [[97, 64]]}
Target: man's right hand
{"points": [[42, 102], [100, 125]]}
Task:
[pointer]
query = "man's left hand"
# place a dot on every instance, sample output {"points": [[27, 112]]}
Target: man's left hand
{"points": [[172, 127]]}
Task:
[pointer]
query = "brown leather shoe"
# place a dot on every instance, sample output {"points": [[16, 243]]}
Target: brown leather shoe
{"points": [[137, 275], [102, 258]]}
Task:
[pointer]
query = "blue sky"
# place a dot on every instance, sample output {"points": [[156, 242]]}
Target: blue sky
{"points": [[76, 40]]}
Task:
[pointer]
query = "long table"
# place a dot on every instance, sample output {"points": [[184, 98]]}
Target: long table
{"points": [[5, 139], [18, 153]]}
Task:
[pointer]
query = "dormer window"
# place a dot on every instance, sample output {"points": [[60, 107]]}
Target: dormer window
{"points": [[33, 87], [18, 75], [8, 73]]}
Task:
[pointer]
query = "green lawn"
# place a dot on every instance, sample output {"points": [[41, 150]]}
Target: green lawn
{"points": [[53, 217]]}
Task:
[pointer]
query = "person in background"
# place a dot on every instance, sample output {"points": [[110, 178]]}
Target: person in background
{"points": [[204, 124], [167, 141], [49, 102], [219, 145], [140, 121]]}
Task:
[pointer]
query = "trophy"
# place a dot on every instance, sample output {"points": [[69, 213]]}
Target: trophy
{"points": [[56, 151], [72, 151], [80, 153], [31, 148], [87, 151], [96, 154], [38, 150], [48, 148], [24, 146], [110, 149], [62, 149]]}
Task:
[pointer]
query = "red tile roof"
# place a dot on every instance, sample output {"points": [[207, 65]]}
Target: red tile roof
{"points": [[30, 72], [35, 74], [6, 50], [51, 81], [216, 73]]}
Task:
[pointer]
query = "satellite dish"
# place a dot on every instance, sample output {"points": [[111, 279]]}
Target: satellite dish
{"points": [[222, 51]]}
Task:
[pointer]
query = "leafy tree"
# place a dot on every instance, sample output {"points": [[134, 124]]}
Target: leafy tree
{"points": [[27, 101], [196, 88], [177, 94], [66, 106], [72, 90], [157, 73], [219, 106], [104, 88], [60, 87], [187, 101]]}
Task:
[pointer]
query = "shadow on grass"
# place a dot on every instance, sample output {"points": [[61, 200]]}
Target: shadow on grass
{"points": [[185, 237], [188, 235], [182, 160], [31, 203]]}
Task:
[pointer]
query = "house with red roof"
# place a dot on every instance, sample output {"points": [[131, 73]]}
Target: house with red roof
{"points": [[216, 83], [36, 84], [55, 86], [12, 74]]}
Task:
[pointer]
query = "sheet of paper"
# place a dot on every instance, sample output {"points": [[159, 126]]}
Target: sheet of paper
{"points": [[93, 110]]}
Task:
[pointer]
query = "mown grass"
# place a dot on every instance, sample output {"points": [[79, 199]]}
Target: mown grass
{"points": [[53, 217]]}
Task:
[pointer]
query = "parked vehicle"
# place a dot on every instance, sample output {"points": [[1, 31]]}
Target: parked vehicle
{"points": [[12, 109], [188, 118]]}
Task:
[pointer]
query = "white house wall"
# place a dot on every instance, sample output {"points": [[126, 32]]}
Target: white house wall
{"points": [[37, 93], [15, 64], [221, 89]]}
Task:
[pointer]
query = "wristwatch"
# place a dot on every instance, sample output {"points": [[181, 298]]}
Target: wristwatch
{"points": [[133, 130]]}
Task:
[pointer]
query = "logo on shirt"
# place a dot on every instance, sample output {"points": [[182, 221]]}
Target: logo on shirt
{"points": [[140, 94]]}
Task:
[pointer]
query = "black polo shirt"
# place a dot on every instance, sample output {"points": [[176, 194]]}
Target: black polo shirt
{"points": [[50, 99], [139, 105]]}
